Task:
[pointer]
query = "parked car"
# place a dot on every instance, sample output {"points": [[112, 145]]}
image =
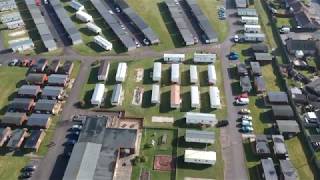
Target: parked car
{"points": [[246, 123], [233, 56], [247, 117], [242, 101], [244, 111], [25, 175], [76, 127], [284, 30], [146, 42], [14, 62], [246, 129], [70, 142], [243, 95], [222, 123], [29, 168]]}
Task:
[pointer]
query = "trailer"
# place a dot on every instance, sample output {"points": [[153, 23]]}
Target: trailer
{"points": [[116, 97], [212, 76], [253, 37], [195, 97], [248, 28], [103, 70], [121, 72], [15, 24], [98, 93], [155, 97], [174, 58], [102, 42], [200, 157], [250, 20], [76, 5], [94, 28], [193, 74], [156, 75], [247, 12], [175, 73], [204, 58], [201, 118], [175, 99], [214, 94], [84, 17]]}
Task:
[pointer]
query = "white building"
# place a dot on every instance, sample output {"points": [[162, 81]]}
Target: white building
{"points": [[94, 28], [195, 97], [121, 72], [84, 17], [175, 73], [214, 94], [198, 136], [250, 20], [116, 97], [102, 42], [97, 96], [201, 118], [248, 28], [200, 157], [253, 37], [15, 24], [156, 75], [174, 58], [23, 45], [76, 5], [204, 58], [155, 97], [193, 74], [212, 76]]}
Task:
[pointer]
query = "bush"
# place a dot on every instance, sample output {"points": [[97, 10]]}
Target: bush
{"points": [[147, 146], [135, 160], [143, 158], [81, 104]]}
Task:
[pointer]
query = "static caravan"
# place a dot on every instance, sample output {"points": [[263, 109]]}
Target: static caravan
{"points": [[76, 5], [83, 16], [195, 97], [175, 100], [102, 42], [155, 97], [193, 74], [103, 70], [175, 73], [22, 45], [253, 37], [198, 136], [250, 20], [15, 24], [97, 96], [156, 75], [121, 72], [116, 95], [204, 58], [248, 28], [214, 94], [212, 76], [200, 157], [247, 12], [201, 118], [173, 58], [94, 28]]}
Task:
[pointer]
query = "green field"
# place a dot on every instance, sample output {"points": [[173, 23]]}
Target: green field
{"points": [[10, 166]]}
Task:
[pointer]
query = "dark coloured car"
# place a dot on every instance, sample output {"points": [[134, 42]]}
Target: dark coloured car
{"points": [[30, 168], [25, 175], [222, 123]]}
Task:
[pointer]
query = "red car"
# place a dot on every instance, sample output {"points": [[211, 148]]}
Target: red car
{"points": [[243, 95]]}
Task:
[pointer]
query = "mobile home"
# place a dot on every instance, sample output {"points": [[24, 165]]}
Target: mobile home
{"points": [[252, 28], [195, 97], [156, 75], [97, 96], [102, 42], [212, 76], [214, 94], [94, 28], [116, 95], [253, 37], [200, 157], [204, 58], [175, 96], [84, 17], [250, 20], [103, 70], [121, 72], [173, 58], [201, 118], [193, 74], [155, 97], [175, 73], [247, 12]]}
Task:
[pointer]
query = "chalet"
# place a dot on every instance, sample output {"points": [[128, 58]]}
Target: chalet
{"points": [[54, 66], [279, 147], [66, 68], [282, 112], [245, 84], [259, 84], [12, 118], [263, 58], [21, 105], [39, 120], [58, 80], [196, 136], [288, 128], [259, 48], [255, 68], [34, 140], [47, 106], [308, 47], [30, 91], [37, 79], [17, 138], [288, 171], [242, 69], [277, 98], [5, 134], [261, 146], [52, 92]]}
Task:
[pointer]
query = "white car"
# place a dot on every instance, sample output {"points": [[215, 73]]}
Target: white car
{"points": [[245, 111], [242, 101], [77, 127], [247, 117], [236, 38], [246, 123], [111, 12]]}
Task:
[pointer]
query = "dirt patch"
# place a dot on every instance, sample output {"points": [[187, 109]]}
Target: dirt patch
{"points": [[162, 119], [139, 74], [164, 163], [137, 96]]}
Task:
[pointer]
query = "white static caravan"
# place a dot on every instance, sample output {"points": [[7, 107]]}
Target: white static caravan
{"points": [[156, 75], [201, 118], [175, 73], [174, 58], [212, 76], [204, 58], [200, 157], [155, 97], [83, 16], [250, 20], [248, 28], [94, 28], [102, 42], [97, 96], [195, 97], [15, 24], [214, 94], [194, 74], [253, 37], [116, 95], [121, 72], [76, 5], [23, 45]]}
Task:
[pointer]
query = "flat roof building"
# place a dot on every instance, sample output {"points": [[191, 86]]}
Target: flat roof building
{"points": [[212, 76], [175, 73], [201, 118], [214, 95], [200, 157], [121, 72], [268, 170], [155, 97], [195, 136], [156, 75], [204, 58], [174, 58], [195, 97], [193, 74], [98, 94]]}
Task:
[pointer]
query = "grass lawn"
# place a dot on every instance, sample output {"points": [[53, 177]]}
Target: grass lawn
{"points": [[10, 166]]}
